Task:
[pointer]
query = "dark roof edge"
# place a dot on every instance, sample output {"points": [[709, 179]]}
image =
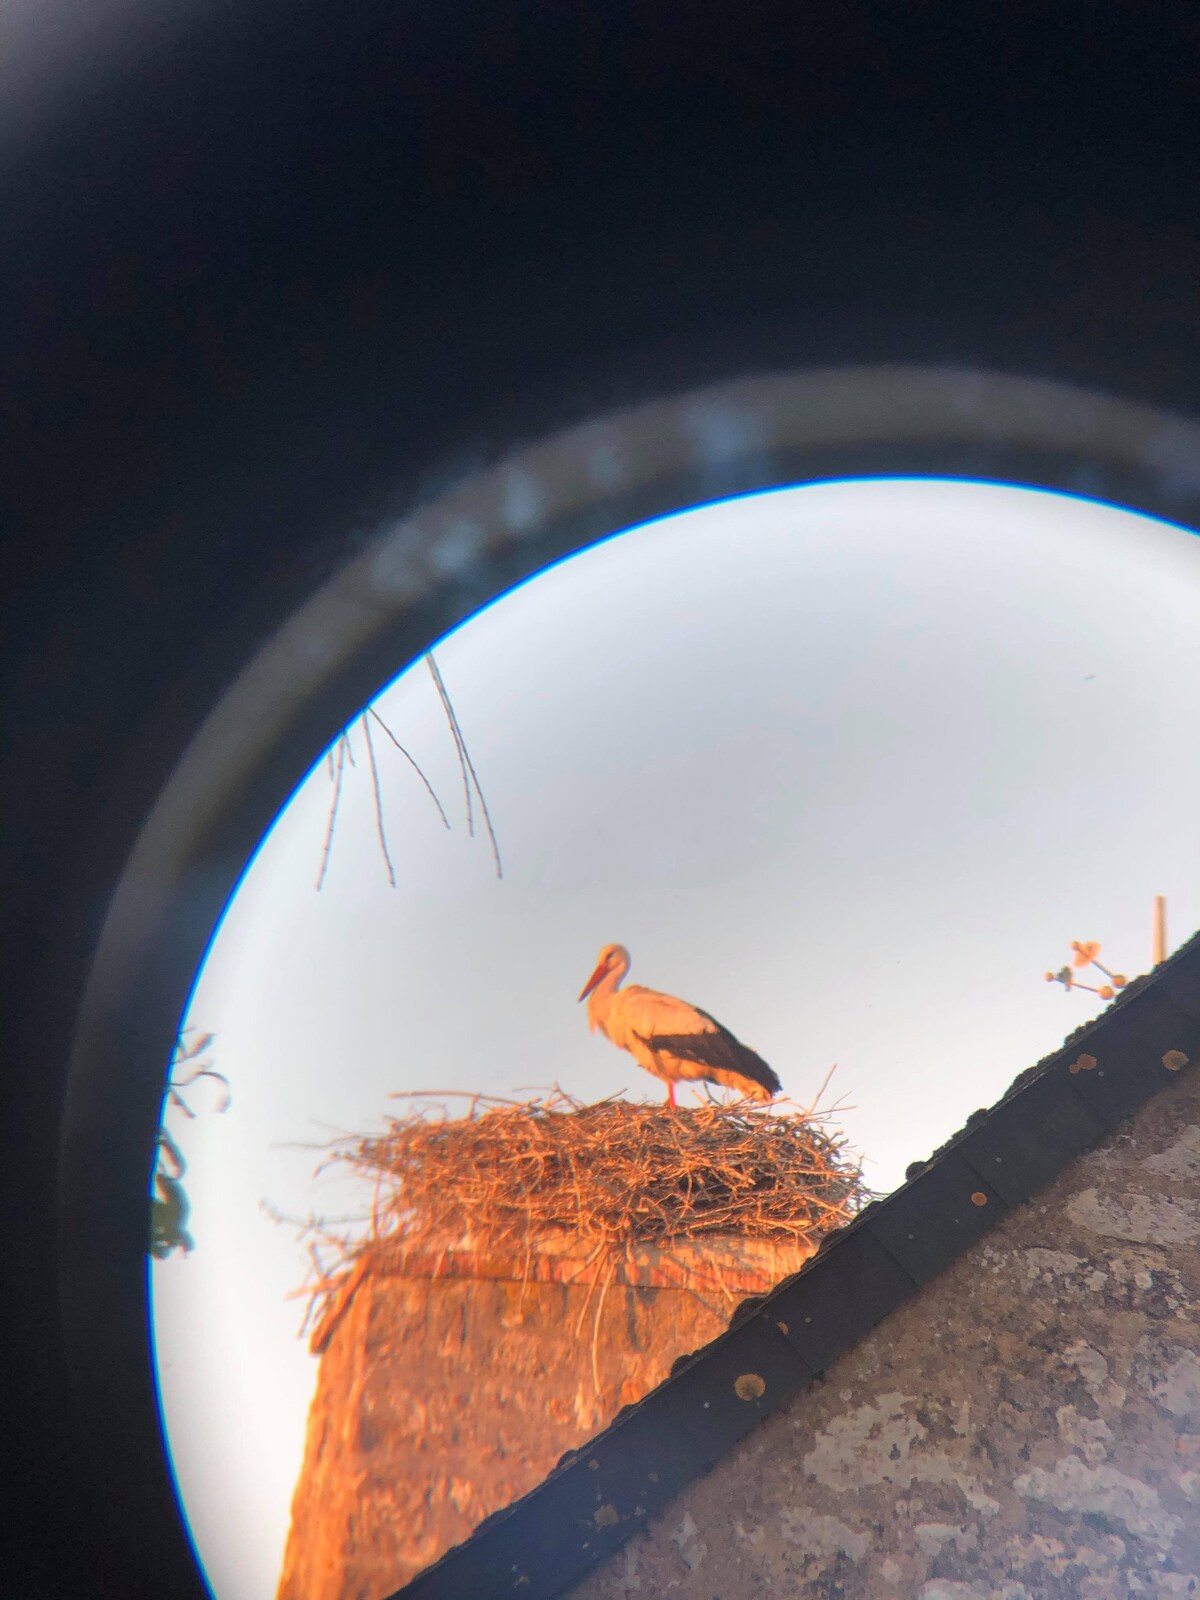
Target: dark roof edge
{"points": [[599, 1496]]}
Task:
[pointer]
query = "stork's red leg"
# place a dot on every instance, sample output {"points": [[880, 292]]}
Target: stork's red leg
{"points": [[670, 1091]]}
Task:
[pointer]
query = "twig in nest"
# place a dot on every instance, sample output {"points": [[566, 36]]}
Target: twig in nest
{"points": [[597, 1181], [811, 1111]]}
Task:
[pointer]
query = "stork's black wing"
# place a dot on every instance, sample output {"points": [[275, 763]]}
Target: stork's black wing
{"points": [[717, 1049]]}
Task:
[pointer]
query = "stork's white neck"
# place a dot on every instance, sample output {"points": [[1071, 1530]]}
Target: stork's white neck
{"points": [[602, 996]]}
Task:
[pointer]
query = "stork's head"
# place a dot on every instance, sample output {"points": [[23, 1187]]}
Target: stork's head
{"points": [[613, 958]]}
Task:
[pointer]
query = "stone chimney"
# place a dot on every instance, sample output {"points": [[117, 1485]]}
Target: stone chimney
{"points": [[451, 1383]]}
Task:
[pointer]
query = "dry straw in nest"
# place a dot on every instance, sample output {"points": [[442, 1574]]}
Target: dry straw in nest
{"points": [[612, 1177]]}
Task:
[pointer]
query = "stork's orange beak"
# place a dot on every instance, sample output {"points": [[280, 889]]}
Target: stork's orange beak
{"points": [[593, 981]]}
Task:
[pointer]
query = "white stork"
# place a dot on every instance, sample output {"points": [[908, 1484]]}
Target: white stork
{"points": [[668, 1037]]}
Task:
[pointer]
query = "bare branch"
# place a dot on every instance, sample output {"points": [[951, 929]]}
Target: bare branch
{"points": [[456, 735], [333, 809], [378, 801], [433, 796], [464, 756]]}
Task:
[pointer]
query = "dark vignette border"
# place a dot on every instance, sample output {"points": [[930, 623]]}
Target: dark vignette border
{"points": [[421, 576]]}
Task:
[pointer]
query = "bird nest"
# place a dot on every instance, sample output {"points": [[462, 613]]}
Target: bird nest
{"points": [[609, 1178]]}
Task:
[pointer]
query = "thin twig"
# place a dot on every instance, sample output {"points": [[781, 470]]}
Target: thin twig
{"points": [[487, 816], [465, 755], [375, 1205], [456, 736], [824, 1085], [596, 1326], [412, 763], [378, 802], [466, 1094], [333, 809]]}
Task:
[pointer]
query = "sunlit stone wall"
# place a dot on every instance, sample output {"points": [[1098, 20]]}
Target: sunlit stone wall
{"points": [[452, 1387]]}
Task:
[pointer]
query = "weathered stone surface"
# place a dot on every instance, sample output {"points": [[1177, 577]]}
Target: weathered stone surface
{"points": [[1027, 1427], [444, 1396]]}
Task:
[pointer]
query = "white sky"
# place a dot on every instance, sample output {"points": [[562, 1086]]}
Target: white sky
{"points": [[848, 766]]}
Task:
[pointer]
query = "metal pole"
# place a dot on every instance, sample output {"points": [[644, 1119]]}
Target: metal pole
{"points": [[1160, 928]]}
